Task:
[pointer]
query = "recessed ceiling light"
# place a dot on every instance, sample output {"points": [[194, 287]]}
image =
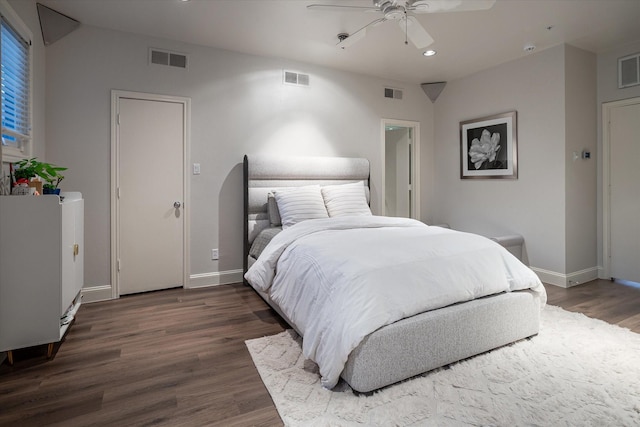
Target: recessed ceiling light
{"points": [[429, 52]]}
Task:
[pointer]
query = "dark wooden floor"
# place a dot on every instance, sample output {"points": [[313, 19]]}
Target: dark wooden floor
{"points": [[178, 358], [601, 299], [174, 357]]}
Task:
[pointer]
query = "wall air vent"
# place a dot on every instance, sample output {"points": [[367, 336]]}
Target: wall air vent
{"points": [[165, 57], [292, 78], [629, 71], [392, 93]]}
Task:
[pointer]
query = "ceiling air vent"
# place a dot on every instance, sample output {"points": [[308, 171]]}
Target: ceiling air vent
{"points": [[629, 71], [292, 78], [165, 57], [392, 93]]}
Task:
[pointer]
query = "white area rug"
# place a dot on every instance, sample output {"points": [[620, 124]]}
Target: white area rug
{"points": [[577, 371]]}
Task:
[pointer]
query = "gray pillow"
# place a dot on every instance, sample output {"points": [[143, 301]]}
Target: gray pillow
{"points": [[262, 240], [272, 211]]}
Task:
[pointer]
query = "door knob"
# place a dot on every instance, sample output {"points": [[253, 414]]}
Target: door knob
{"points": [[176, 205]]}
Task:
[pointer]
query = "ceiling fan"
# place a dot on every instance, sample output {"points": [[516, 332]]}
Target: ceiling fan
{"points": [[403, 12]]}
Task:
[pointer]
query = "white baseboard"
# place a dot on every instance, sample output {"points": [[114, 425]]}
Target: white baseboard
{"points": [[566, 280], [96, 293], [602, 274], [214, 278], [103, 293]]}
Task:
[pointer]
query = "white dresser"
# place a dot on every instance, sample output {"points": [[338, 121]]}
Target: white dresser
{"points": [[41, 268]]}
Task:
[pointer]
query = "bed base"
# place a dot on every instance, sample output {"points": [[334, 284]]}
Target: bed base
{"points": [[437, 338]]}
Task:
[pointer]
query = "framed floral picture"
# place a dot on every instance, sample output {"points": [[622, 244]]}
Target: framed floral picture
{"points": [[489, 147]]}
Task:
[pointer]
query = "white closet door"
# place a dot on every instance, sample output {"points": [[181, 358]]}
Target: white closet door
{"points": [[150, 145], [625, 192]]}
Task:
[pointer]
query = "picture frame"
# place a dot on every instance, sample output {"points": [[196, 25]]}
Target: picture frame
{"points": [[489, 147]]}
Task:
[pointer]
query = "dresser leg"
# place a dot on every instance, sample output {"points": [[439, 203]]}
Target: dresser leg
{"points": [[49, 350], [10, 357]]}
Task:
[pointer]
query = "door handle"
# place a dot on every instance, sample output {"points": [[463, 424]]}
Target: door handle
{"points": [[176, 205]]}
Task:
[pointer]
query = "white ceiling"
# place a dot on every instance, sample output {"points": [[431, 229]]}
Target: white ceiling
{"points": [[466, 42]]}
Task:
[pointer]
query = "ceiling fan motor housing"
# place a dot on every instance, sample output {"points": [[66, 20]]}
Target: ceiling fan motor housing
{"points": [[391, 9]]}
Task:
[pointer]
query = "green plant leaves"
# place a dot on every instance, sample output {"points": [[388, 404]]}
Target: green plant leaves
{"points": [[29, 168]]}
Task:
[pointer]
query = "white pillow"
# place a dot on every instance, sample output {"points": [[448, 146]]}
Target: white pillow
{"points": [[346, 199], [299, 204]]}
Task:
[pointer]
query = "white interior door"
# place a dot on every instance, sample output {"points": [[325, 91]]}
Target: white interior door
{"points": [[150, 189], [624, 192]]}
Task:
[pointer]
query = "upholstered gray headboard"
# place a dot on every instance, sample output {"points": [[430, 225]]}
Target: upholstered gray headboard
{"points": [[264, 173]]}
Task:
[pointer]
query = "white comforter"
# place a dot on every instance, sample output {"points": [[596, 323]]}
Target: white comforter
{"points": [[339, 279]]}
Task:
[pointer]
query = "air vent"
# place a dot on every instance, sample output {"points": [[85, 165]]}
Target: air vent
{"points": [[629, 71], [292, 78], [392, 93], [165, 57]]}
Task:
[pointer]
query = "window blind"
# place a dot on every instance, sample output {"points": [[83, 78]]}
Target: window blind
{"points": [[15, 81]]}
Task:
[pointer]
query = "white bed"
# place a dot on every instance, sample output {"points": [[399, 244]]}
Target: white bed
{"points": [[355, 286]]}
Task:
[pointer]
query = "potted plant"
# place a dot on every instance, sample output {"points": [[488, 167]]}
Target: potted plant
{"points": [[51, 174]]}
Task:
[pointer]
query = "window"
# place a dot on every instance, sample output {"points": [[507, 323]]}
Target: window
{"points": [[15, 78]]}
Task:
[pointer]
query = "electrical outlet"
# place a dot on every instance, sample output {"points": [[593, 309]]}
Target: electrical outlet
{"points": [[214, 254]]}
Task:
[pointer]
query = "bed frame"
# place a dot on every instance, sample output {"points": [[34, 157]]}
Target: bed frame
{"points": [[410, 346]]}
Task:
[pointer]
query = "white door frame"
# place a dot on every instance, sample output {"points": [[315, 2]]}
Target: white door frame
{"points": [[415, 163], [607, 107], [116, 95]]}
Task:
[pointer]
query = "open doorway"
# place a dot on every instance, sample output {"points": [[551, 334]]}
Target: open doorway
{"points": [[400, 192]]}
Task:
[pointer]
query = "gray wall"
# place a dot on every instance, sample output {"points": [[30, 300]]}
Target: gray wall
{"points": [[239, 105], [534, 204], [581, 175], [552, 203]]}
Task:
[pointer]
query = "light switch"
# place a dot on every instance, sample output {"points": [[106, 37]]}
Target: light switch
{"points": [[196, 168]]}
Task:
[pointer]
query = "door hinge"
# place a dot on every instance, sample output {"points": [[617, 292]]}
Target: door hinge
{"points": [[118, 119], [118, 265], [118, 192]]}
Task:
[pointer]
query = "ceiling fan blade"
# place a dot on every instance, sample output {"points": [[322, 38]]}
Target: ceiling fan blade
{"points": [[342, 8], [415, 32], [358, 35], [437, 6]]}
